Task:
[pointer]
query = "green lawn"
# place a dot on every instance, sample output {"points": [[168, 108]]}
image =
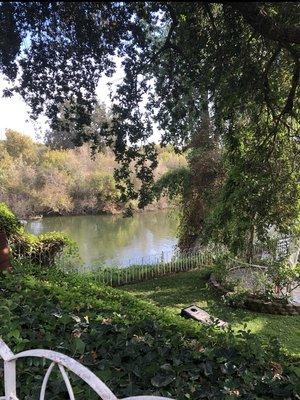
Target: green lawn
{"points": [[182, 289], [133, 345]]}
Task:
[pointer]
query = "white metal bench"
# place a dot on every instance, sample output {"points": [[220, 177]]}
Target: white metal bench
{"points": [[62, 362]]}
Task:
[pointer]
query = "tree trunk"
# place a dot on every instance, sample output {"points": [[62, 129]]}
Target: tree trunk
{"points": [[4, 253]]}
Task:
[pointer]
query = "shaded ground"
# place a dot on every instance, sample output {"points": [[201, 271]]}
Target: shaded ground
{"points": [[180, 290]]}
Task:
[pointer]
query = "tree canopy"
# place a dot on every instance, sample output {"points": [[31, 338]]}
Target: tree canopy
{"points": [[64, 136], [239, 60]]}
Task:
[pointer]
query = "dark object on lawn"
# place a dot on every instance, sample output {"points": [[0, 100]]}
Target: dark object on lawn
{"points": [[200, 315]]}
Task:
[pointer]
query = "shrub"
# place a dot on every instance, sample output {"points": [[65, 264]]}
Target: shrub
{"points": [[35, 180], [9, 223], [236, 298], [42, 249], [221, 268], [284, 275]]}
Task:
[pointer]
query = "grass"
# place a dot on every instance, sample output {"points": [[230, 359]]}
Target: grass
{"points": [[180, 290], [135, 346]]}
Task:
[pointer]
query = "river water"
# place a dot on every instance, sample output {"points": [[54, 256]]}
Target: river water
{"points": [[114, 240]]}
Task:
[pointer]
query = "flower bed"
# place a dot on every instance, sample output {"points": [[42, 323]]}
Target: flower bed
{"points": [[254, 303]]}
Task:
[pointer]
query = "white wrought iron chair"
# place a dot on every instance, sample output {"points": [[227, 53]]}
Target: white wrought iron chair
{"points": [[63, 362]]}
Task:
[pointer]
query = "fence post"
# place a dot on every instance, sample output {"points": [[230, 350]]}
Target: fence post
{"points": [[139, 270], [162, 257]]}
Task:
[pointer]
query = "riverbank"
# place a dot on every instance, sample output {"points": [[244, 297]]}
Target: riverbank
{"points": [[150, 208], [39, 181]]}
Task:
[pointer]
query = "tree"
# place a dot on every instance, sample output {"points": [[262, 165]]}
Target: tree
{"points": [[197, 186], [261, 191], [244, 55], [18, 145], [64, 136]]}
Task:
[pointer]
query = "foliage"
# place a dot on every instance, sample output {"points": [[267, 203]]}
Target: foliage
{"points": [[196, 187], [132, 345], [18, 146], [104, 186], [261, 191], [9, 223], [201, 196], [285, 275], [220, 268], [62, 62], [42, 250], [173, 82], [64, 182], [173, 182], [64, 136], [236, 298], [274, 283], [263, 286]]}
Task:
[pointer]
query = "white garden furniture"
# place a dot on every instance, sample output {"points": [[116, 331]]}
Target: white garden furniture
{"points": [[64, 363]]}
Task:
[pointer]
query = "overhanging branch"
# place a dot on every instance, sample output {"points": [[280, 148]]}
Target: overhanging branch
{"points": [[266, 25]]}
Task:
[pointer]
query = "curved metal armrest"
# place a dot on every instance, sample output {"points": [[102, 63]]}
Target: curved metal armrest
{"points": [[62, 361], [74, 366]]}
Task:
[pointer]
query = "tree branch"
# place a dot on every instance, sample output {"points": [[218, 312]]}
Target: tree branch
{"points": [[266, 25], [288, 108], [266, 79], [167, 43]]}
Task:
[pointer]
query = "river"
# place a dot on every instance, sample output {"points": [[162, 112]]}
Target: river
{"points": [[114, 240]]}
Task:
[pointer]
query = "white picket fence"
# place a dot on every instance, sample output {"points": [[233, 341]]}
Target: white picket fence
{"points": [[63, 363], [141, 270]]}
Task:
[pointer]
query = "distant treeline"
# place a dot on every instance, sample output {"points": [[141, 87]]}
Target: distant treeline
{"points": [[37, 180]]}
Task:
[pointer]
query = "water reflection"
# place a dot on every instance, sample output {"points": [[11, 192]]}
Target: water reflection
{"points": [[115, 240]]}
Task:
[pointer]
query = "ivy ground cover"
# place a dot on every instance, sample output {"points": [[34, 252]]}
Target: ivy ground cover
{"points": [[134, 346]]}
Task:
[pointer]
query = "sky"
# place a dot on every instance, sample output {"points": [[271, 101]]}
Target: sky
{"points": [[14, 113]]}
